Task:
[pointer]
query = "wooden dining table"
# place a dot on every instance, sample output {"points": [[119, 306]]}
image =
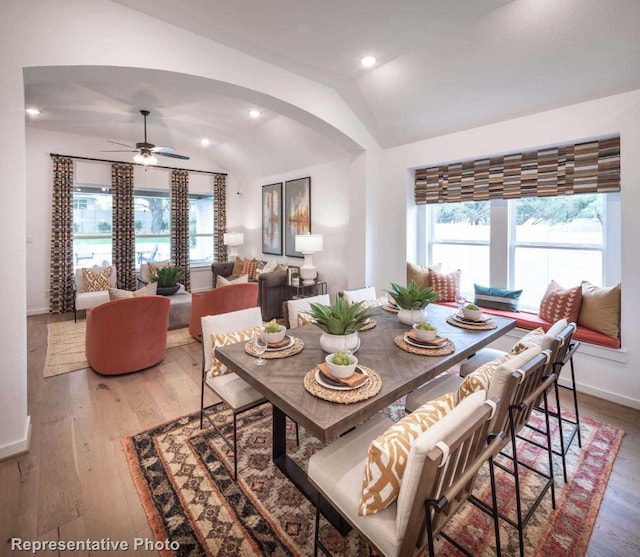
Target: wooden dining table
{"points": [[281, 381]]}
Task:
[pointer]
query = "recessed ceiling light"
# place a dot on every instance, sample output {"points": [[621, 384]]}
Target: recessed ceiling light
{"points": [[255, 113], [205, 141], [368, 61], [33, 111]]}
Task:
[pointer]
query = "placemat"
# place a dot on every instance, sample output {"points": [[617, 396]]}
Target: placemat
{"points": [[390, 309], [297, 347], [447, 348], [479, 327], [371, 388], [372, 323]]}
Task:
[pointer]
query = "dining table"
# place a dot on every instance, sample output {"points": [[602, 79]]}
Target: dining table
{"points": [[281, 381]]}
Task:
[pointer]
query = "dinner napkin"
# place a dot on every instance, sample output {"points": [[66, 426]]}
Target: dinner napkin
{"points": [[438, 341], [353, 381], [279, 344]]}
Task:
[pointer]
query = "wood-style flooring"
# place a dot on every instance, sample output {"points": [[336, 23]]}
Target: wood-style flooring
{"points": [[74, 483]]}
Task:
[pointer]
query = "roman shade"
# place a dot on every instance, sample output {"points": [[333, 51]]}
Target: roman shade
{"points": [[592, 167]]}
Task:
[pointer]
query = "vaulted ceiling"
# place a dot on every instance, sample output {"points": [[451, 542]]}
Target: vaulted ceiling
{"points": [[443, 66]]}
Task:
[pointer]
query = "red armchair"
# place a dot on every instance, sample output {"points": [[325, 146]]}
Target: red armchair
{"points": [[127, 335], [223, 299]]}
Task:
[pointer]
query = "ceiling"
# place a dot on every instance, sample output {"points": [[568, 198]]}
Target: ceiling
{"points": [[443, 66]]}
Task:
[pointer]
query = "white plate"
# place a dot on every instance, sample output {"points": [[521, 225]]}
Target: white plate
{"points": [[412, 342], [484, 318], [321, 380], [288, 345]]}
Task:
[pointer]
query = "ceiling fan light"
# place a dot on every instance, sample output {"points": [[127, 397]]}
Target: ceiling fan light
{"points": [[145, 158]]}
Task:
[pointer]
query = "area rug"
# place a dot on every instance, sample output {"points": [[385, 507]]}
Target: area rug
{"points": [[191, 501], [65, 346]]}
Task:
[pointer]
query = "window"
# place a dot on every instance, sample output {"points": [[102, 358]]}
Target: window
{"points": [[92, 212], [152, 222], [524, 243], [201, 218]]}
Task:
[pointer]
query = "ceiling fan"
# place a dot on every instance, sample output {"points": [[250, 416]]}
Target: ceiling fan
{"points": [[146, 152]]}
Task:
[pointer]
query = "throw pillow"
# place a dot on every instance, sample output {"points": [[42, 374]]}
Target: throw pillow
{"points": [[559, 303], [389, 452], [95, 280], [600, 309], [480, 379], [380, 301], [265, 267], [304, 319], [532, 338], [237, 267], [249, 267], [496, 298], [420, 274], [282, 267], [153, 268], [445, 284], [224, 339], [221, 281], [148, 290]]}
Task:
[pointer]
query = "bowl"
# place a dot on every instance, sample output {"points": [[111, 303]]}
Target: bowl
{"points": [[273, 338], [341, 372], [423, 334], [472, 314]]}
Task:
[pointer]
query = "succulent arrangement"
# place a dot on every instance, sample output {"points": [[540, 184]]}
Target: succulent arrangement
{"points": [[425, 326], [273, 328], [411, 296], [339, 318], [166, 276]]}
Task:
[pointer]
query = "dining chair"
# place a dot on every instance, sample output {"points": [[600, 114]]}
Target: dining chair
{"points": [[364, 294], [441, 468], [229, 387], [299, 306], [519, 382]]}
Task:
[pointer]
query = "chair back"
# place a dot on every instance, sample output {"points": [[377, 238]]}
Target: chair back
{"points": [[226, 323], [562, 347], [294, 307], [447, 478], [365, 294], [113, 279]]}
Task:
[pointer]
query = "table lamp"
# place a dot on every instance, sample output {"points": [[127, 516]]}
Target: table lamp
{"points": [[308, 244], [233, 240]]}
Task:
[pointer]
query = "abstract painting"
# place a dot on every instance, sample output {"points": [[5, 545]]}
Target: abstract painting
{"points": [[297, 212], [272, 219]]}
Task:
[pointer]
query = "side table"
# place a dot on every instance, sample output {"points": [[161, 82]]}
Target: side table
{"points": [[290, 292]]}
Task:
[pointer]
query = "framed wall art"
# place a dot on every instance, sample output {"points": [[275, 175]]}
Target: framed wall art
{"points": [[297, 212], [272, 219]]}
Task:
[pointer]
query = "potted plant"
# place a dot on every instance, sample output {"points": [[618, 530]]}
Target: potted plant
{"points": [[340, 323], [295, 279], [167, 278], [412, 301]]}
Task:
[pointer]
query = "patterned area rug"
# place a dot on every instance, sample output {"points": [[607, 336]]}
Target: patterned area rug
{"points": [[182, 476], [65, 346]]}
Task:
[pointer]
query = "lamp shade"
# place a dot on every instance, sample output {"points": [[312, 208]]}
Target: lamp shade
{"points": [[308, 243], [233, 239]]}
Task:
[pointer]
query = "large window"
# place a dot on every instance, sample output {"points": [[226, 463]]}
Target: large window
{"points": [[201, 250], [524, 243], [152, 222], [92, 212]]}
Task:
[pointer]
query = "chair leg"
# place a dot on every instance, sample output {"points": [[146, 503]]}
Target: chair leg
{"points": [[494, 502], [550, 449], [516, 476], [317, 533], [560, 429], [235, 447], [575, 400], [297, 434]]}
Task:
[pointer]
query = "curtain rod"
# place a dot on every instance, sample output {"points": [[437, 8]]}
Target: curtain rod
{"points": [[138, 164]]}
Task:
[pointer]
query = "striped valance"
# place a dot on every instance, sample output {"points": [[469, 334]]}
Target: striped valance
{"points": [[592, 167]]}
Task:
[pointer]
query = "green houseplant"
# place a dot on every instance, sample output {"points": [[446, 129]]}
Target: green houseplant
{"points": [[167, 278], [412, 301], [340, 323]]}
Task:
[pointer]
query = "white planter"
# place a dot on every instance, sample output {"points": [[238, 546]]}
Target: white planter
{"points": [[338, 343], [411, 316]]}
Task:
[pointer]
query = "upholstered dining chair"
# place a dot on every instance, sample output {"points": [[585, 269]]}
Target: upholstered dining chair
{"points": [[365, 294], [441, 468], [91, 287], [297, 307]]}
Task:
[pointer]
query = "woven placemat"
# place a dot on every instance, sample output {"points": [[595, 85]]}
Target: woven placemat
{"points": [[371, 388], [390, 309], [479, 327], [370, 325], [297, 347], [447, 348]]}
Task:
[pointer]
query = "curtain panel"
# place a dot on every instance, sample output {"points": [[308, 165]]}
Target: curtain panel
{"points": [[61, 295], [592, 167], [123, 240], [180, 224], [219, 216]]}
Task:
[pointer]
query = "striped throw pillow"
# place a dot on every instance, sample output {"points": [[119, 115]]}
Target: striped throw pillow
{"points": [[480, 379], [224, 339], [496, 298], [388, 454], [249, 267], [96, 280]]}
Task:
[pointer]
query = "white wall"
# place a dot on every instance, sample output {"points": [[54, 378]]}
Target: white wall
{"points": [[610, 374]]}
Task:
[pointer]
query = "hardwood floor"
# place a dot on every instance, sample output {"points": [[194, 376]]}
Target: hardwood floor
{"points": [[75, 483]]}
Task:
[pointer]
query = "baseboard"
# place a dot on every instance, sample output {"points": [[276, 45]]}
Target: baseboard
{"points": [[19, 447], [36, 311], [604, 395]]}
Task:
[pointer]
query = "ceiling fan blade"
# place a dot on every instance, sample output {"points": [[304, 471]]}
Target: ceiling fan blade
{"points": [[163, 149], [118, 151], [118, 143], [172, 155]]}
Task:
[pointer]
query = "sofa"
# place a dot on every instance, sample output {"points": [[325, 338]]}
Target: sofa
{"points": [[270, 288]]}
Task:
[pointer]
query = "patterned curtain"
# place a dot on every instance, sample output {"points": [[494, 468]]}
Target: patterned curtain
{"points": [[180, 224], [123, 236], [61, 271], [592, 167], [219, 216]]}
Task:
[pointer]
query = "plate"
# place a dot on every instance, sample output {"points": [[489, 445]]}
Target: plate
{"points": [[323, 380], [288, 345], [412, 342], [484, 318]]}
